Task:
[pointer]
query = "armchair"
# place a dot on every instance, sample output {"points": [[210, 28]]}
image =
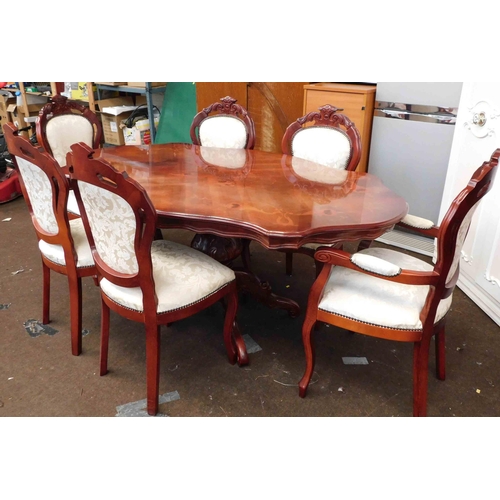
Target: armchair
{"points": [[391, 295]]}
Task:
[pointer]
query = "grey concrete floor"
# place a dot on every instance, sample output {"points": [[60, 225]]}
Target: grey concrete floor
{"points": [[40, 377]]}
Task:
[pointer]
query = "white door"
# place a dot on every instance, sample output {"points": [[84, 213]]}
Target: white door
{"points": [[477, 135]]}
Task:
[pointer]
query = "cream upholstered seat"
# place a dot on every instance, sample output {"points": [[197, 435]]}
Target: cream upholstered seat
{"points": [[63, 244], [327, 138], [55, 253], [62, 123], [391, 295], [182, 277], [153, 282], [368, 299]]}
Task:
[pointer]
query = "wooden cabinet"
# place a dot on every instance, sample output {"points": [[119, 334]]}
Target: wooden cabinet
{"points": [[355, 100], [272, 106]]}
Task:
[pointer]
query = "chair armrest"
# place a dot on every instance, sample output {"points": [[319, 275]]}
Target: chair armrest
{"points": [[419, 225], [374, 266]]}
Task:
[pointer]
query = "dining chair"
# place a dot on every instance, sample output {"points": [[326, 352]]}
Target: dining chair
{"points": [[325, 137], [62, 242], [154, 282], [226, 125], [391, 295], [223, 124], [61, 123]]}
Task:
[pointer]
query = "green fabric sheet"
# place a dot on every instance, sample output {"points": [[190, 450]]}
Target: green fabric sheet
{"points": [[178, 111]]}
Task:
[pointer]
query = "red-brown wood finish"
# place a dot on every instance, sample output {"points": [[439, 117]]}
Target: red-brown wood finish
{"points": [[83, 167], [226, 106], [440, 287], [61, 105], [264, 205], [20, 147], [326, 116]]}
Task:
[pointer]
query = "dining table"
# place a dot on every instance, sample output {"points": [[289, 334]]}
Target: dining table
{"points": [[232, 197]]}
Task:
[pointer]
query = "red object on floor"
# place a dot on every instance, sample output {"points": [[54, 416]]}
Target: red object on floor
{"points": [[10, 189]]}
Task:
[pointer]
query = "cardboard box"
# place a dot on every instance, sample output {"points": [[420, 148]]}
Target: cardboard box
{"points": [[140, 133], [113, 133], [17, 116], [79, 91], [143, 84], [5, 102]]}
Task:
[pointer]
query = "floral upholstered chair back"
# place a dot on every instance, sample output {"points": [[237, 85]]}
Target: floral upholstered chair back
{"points": [[224, 124], [62, 123], [324, 137], [113, 225], [40, 194], [64, 130], [43, 184]]}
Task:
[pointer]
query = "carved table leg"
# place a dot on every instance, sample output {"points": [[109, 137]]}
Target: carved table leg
{"points": [[225, 250], [261, 290]]}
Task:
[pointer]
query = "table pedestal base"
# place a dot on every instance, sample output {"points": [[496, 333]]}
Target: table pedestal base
{"points": [[225, 250], [261, 290]]}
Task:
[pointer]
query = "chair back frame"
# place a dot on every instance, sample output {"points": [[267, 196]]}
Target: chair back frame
{"points": [[83, 167], [326, 116], [449, 231], [61, 105], [20, 147], [226, 107]]}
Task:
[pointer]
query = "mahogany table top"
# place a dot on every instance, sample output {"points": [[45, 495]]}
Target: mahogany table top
{"points": [[279, 200]]}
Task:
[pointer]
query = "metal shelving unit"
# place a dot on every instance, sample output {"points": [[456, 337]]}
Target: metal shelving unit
{"points": [[148, 90]]}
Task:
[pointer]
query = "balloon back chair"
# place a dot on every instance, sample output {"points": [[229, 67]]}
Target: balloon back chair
{"points": [[154, 282], [325, 137], [223, 124], [63, 244], [387, 294], [60, 124]]}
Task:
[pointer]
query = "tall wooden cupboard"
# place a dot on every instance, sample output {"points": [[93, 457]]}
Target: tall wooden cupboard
{"points": [[357, 103]]}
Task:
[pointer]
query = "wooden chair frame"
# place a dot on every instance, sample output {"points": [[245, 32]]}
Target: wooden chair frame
{"points": [[440, 287], [326, 116], [83, 167], [61, 105], [227, 106], [20, 147]]}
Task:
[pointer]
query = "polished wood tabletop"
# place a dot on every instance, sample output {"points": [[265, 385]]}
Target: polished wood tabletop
{"points": [[278, 200]]}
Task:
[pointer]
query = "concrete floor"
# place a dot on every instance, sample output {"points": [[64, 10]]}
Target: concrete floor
{"points": [[40, 377]]}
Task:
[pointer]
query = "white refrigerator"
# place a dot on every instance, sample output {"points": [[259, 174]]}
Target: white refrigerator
{"points": [[412, 134]]}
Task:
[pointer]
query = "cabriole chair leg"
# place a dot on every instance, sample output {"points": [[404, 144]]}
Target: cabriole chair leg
{"points": [[152, 366], [103, 361], [46, 294]]}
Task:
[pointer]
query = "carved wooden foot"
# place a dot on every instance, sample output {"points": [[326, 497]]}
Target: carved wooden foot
{"points": [[239, 346], [261, 290]]}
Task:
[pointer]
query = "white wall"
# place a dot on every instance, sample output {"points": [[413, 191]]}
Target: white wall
{"points": [[472, 145]]}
